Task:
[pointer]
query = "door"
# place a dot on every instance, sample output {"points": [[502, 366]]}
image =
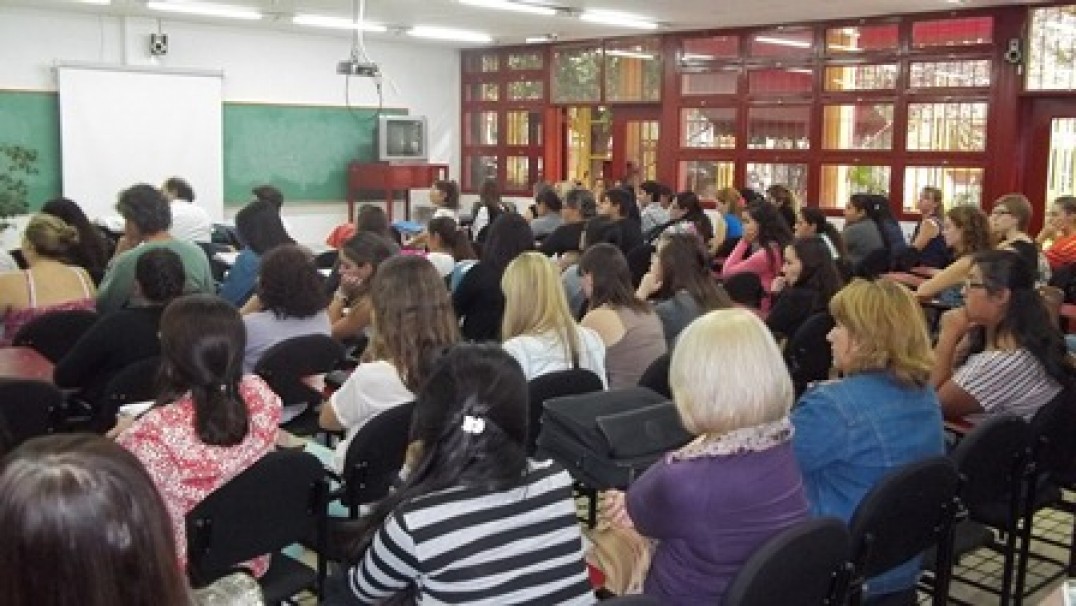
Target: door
{"points": [[1051, 158], [606, 144], [636, 133]]}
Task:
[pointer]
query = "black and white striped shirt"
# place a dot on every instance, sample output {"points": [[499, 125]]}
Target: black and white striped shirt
{"points": [[1006, 382], [467, 546]]}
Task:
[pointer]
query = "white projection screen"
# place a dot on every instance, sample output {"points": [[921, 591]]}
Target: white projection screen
{"points": [[120, 126]]}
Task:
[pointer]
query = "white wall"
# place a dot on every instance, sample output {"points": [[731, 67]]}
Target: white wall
{"points": [[259, 65]]}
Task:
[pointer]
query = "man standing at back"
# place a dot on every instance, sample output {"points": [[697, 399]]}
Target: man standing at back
{"points": [[190, 222]]}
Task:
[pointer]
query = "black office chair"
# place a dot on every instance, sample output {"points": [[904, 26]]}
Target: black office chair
{"points": [[286, 364], [53, 334], [907, 512], [136, 382], [551, 385], [273, 504], [217, 267], [326, 259], [873, 265], [28, 408], [801, 566], [656, 376], [808, 354]]}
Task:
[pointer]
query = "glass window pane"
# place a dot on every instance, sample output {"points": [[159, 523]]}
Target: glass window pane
{"points": [[857, 126], [839, 181], [947, 126], [761, 176], [576, 74], [517, 173], [518, 61], [951, 74], [708, 127], [959, 186], [1061, 169], [481, 128], [523, 128], [1051, 48], [710, 48], [633, 70], [953, 32], [705, 177], [481, 92], [861, 77], [526, 90], [861, 38], [780, 81], [782, 42], [778, 127], [477, 169], [722, 82]]}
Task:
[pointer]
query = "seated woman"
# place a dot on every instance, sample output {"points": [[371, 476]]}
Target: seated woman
{"points": [[727, 234], [1009, 220], [864, 231], [881, 416], [631, 331], [928, 238], [808, 281], [360, 257], [91, 253], [478, 299], [289, 302], [680, 284], [967, 232], [65, 497], [1060, 233], [765, 236], [686, 216], [448, 245], [50, 284], [787, 206], [538, 329], [477, 521], [210, 422], [704, 504], [122, 337], [617, 204], [1018, 359], [260, 230], [412, 319]]}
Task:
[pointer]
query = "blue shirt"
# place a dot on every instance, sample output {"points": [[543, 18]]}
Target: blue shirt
{"points": [[733, 226], [852, 432], [239, 283]]}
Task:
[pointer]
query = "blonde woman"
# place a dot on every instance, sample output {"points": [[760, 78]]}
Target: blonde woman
{"points": [[538, 329], [51, 284], [705, 503], [881, 416]]}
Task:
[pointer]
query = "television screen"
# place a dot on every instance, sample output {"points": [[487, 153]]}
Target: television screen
{"points": [[402, 138]]}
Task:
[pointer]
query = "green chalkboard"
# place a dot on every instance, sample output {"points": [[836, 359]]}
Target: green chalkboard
{"points": [[303, 150], [32, 120]]}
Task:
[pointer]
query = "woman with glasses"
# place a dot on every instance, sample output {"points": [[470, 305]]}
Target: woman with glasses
{"points": [[1060, 233], [1008, 221], [1018, 360]]}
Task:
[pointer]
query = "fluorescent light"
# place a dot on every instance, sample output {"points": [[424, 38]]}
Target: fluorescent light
{"points": [[451, 34], [696, 57], [843, 47], [97, 2], [511, 6], [539, 39], [782, 42], [799, 70], [617, 19], [630, 54], [202, 8], [336, 23]]}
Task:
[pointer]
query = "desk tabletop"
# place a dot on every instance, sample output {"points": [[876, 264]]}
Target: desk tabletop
{"points": [[24, 363]]}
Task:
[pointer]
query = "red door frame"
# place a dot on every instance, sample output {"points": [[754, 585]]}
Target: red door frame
{"points": [[622, 115]]}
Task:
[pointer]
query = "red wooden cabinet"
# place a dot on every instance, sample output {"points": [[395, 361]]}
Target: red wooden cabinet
{"points": [[390, 178]]}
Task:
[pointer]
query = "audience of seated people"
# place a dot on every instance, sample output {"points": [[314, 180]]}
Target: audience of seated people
{"points": [[967, 232], [704, 504], [91, 252], [928, 237], [190, 222], [260, 230], [289, 302], [759, 250], [539, 330], [808, 280], [359, 260], [123, 337], [630, 329], [881, 416], [1060, 233], [1017, 362], [412, 319], [210, 422], [478, 299], [147, 218], [50, 283], [680, 284]]}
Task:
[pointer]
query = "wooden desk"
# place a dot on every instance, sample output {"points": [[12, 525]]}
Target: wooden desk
{"points": [[390, 178], [24, 363]]}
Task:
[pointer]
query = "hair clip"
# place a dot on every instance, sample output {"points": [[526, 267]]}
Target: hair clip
{"points": [[475, 425]]}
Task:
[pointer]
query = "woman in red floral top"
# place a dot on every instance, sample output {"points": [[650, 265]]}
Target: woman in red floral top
{"points": [[210, 423]]}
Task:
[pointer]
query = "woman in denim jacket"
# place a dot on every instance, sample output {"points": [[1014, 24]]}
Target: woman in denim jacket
{"points": [[882, 416]]}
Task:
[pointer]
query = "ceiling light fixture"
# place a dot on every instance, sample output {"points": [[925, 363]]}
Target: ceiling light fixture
{"points": [[541, 39], [209, 10], [336, 23], [504, 5], [782, 42], [96, 2], [629, 54], [617, 19], [451, 34]]}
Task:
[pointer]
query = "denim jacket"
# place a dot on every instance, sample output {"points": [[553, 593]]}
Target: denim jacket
{"points": [[850, 433]]}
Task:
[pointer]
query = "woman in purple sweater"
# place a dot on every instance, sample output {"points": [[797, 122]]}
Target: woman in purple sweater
{"points": [[713, 502]]}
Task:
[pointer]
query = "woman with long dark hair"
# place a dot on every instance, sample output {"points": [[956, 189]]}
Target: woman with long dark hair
{"points": [[486, 210], [765, 236], [808, 280], [260, 230], [1018, 361], [811, 221], [680, 284], [91, 252], [447, 244], [360, 256], [478, 299], [686, 215], [785, 201], [870, 226], [210, 422], [476, 521]]}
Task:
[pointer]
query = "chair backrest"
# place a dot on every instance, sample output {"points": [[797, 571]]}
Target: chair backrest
{"points": [[633, 600], [136, 382], [53, 334], [375, 455], [28, 408], [801, 566], [906, 512], [275, 503], [991, 459], [874, 264], [807, 353], [1053, 436], [284, 365], [656, 375], [326, 259], [573, 381]]}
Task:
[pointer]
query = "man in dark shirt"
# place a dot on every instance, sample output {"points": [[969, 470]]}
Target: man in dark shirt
{"points": [[579, 205]]}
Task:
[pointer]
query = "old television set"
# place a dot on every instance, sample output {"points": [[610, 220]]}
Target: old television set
{"points": [[402, 139]]}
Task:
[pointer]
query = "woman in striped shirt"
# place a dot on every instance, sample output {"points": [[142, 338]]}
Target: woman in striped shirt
{"points": [[477, 522]]}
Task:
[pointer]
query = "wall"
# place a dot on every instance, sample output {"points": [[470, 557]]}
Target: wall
{"points": [[260, 65]]}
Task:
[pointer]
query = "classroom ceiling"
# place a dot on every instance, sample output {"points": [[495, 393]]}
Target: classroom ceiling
{"points": [[513, 28]]}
